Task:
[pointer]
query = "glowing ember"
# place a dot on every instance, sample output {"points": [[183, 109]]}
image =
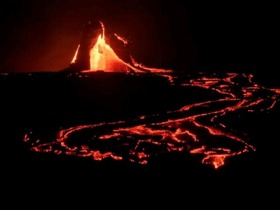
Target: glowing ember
{"points": [[199, 128]]}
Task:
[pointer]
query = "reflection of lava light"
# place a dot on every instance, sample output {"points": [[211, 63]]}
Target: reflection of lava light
{"points": [[103, 57]]}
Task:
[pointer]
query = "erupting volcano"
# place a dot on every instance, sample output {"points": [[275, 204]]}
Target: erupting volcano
{"points": [[94, 54], [135, 120]]}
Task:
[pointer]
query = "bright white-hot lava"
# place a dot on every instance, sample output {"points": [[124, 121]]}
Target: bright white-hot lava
{"points": [[103, 57]]}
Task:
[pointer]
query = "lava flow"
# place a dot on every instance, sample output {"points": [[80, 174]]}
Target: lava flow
{"points": [[201, 128]]}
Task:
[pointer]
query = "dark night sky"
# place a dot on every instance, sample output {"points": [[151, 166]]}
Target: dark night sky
{"points": [[43, 35]]}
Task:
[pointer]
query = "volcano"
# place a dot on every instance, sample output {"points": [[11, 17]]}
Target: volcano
{"points": [[108, 114], [95, 54]]}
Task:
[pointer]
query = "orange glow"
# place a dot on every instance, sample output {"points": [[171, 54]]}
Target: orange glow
{"points": [[215, 160], [125, 42], [182, 131], [103, 57], [190, 128]]}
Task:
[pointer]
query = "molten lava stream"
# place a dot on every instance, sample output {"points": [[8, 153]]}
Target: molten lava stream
{"points": [[200, 128]]}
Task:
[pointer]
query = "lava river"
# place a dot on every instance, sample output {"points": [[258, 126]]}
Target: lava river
{"points": [[199, 128]]}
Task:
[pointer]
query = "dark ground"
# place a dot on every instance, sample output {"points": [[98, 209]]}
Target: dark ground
{"points": [[228, 37], [45, 101]]}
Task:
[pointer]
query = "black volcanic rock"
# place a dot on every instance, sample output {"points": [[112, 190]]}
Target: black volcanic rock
{"points": [[65, 97], [49, 101]]}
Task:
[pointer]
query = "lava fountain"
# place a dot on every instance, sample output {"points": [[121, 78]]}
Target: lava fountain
{"points": [[101, 56], [200, 128]]}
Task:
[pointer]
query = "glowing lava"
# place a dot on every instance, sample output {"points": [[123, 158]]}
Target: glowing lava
{"points": [[103, 57], [199, 128]]}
